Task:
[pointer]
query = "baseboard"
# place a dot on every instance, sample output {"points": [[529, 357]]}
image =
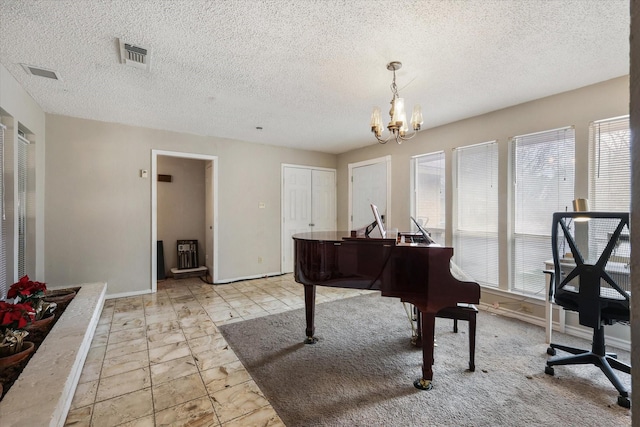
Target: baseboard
{"points": [[128, 294], [255, 276], [516, 314], [587, 334], [579, 332]]}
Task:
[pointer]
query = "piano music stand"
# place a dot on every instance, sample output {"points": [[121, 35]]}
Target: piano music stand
{"points": [[376, 215]]}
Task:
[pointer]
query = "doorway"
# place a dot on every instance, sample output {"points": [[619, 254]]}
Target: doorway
{"points": [[211, 211]]}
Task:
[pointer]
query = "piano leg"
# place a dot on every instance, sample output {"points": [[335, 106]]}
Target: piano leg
{"points": [[310, 309], [427, 325]]}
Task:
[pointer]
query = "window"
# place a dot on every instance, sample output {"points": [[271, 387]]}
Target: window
{"points": [[610, 165], [3, 227], [428, 181], [543, 179], [23, 145], [475, 234]]}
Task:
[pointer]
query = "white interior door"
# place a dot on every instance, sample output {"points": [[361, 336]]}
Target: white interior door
{"points": [[369, 184], [308, 204], [296, 210], [323, 200]]}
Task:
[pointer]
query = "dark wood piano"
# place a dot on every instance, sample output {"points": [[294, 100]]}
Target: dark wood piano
{"points": [[417, 273]]}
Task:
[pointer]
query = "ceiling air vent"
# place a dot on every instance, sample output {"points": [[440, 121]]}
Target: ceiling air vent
{"points": [[41, 72], [135, 56]]}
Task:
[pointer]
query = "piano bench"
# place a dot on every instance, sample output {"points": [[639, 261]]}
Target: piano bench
{"points": [[466, 312]]}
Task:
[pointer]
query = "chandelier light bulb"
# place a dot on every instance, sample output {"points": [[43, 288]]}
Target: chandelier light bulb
{"points": [[398, 114], [416, 118], [376, 121]]}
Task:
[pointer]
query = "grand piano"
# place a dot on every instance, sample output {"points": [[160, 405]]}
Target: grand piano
{"points": [[417, 273]]}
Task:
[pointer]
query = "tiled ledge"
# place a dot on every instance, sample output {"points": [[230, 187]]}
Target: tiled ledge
{"points": [[42, 394]]}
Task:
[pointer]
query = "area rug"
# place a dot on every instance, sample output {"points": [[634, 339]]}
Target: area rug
{"points": [[360, 373]]}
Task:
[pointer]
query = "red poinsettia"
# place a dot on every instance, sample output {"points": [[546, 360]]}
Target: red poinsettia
{"points": [[25, 289], [15, 316]]}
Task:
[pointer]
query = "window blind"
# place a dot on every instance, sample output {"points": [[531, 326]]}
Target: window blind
{"points": [[429, 185], [3, 227], [610, 165], [23, 145], [543, 170], [476, 230]]}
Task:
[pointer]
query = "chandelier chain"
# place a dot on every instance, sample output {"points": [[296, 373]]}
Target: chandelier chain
{"points": [[394, 88]]}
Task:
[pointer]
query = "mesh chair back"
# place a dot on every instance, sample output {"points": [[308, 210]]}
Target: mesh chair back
{"points": [[591, 253]]}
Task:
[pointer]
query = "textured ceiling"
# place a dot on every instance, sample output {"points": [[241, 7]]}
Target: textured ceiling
{"points": [[307, 71]]}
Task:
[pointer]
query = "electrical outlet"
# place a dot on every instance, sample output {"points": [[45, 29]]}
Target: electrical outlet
{"points": [[259, 260]]}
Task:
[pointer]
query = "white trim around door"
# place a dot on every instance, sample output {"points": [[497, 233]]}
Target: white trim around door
{"points": [[154, 209]]}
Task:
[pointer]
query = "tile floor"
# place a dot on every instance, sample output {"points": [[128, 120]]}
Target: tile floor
{"points": [[159, 359]]}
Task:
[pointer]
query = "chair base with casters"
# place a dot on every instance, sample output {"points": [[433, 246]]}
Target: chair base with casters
{"points": [[607, 362]]}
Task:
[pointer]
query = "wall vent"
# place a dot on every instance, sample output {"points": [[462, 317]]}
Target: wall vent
{"points": [[134, 56], [41, 72]]}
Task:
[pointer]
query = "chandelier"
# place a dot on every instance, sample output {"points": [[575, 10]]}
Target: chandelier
{"points": [[398, 124]]}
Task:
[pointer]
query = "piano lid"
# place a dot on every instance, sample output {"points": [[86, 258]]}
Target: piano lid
{"points": [[327, 236]]}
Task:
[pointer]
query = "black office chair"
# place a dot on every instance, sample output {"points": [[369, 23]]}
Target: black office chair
{"points": [[591, 255]]}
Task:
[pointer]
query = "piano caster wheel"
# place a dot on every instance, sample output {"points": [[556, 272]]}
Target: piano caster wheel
{"points": [[624, 402], [551, 351], [549, 370], [423, 384], [310, 340]]}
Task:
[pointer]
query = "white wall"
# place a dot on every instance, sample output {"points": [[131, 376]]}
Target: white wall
{"points": [[181, 206], [19, 110], [98, 221], [578, 108], [98, 209]]}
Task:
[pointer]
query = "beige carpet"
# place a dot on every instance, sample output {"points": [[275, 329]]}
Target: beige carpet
{"points": [[360, 373]]}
